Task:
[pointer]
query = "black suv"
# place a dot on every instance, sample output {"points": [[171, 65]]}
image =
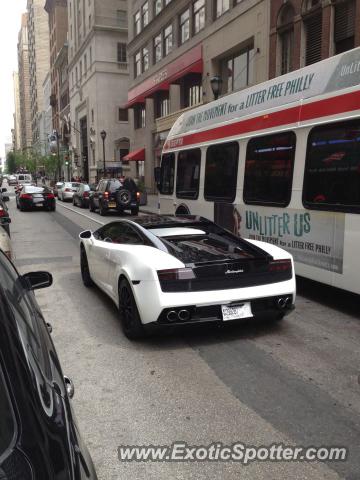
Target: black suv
{"points": [[39, 438], [113, 194]]}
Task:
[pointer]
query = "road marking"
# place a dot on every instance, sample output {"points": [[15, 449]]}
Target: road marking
{"points": [[80, 213]]}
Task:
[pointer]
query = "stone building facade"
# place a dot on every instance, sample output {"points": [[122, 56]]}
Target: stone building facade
{"points": [[39, 63], [175, 49], [24, 85], [303, 32], [98, 78]]}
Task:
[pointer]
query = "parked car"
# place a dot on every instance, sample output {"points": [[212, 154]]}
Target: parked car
{"points": [[4, 211], [57, 187], [165, 270], [67, 190], [81, 196], [24, 178], [31, 197], [39, 434], [5, 242], [113, 194], [12, 180]]}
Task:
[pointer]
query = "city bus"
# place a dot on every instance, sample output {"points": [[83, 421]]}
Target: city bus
{"points": [[278, 162]]}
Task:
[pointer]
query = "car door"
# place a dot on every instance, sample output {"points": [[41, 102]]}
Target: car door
{"points": [[98, 256], [44, 398]]}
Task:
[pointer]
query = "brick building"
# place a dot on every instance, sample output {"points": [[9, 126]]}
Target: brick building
{"points": [[305, 32]]}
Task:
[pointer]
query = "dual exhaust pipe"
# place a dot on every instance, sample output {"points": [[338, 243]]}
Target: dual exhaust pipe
{"points": [[284, 303], [176, 316]]}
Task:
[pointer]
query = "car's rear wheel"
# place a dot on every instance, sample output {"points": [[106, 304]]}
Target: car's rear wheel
{"points": [[102, 210], [85, 271], [129, 314]]}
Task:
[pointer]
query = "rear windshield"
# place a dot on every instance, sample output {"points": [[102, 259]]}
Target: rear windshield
{"points": [[31, 189], [7, 423]]}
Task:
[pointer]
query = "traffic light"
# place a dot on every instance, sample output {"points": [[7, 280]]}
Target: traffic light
{"points": [[66, 158]]}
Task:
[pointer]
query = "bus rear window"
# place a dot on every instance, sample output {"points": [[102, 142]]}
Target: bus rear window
{"points": [[221, 172], [188, 174], [332, 168], [167, 174], [269, 169]]}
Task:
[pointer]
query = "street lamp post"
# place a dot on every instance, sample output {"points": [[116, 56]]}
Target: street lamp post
{"points": [[103, 136], [216, 84]]}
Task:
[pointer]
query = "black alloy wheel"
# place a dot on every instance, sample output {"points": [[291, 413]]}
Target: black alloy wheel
{"points": [[85, 271], [129, 314]]}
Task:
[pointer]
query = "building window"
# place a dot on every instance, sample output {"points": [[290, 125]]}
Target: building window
{"points": [[312, 16], [137, 22], [332, 169], [269, 169], [157, 6], [137, 70], [195, 95], [239, 69], [158, 48], [145, 14], [221, 172], [121, 53], [185, 26], [145, 59], [188, 174], [168, 40], [222, 6], [286, 38], [199, 15], [123, 115], [139, 116], [162, 104], [344, 26]]}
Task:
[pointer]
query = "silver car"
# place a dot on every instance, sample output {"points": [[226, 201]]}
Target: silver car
{"points": [[66, 192]]}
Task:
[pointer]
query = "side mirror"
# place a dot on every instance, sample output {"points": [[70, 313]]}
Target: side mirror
{"points": [[86, 234], [3, 190], [5, 220], [157, 174], [37, 280]]}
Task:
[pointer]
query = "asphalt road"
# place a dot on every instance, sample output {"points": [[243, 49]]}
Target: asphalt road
{"points": [[296, 382]]}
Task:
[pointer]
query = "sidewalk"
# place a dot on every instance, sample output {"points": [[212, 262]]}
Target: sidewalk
{"points": [[152, 205]]}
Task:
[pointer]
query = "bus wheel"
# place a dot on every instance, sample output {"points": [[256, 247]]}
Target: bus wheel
{"points": [[182, 210]]}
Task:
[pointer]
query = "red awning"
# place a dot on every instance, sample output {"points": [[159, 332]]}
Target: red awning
{"points": [[136, 155]]}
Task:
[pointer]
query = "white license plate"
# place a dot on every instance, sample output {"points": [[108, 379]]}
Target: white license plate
{"points": [[38, 200], [233, 312], [112, 205]]}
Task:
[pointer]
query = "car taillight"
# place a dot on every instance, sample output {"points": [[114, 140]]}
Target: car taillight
{"points": [[26, 196], [176, 274], [2, 212], [280, 266], [106, 194], [68, 190], [49, 195]]}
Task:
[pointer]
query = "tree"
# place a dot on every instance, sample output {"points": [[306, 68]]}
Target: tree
{"points": [[11, 163]]}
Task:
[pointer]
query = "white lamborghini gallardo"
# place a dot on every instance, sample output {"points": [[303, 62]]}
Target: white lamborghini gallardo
{"points": [[167, 270]]}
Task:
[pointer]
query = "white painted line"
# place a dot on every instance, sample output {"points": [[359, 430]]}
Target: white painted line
{"points": [[80, 213]]}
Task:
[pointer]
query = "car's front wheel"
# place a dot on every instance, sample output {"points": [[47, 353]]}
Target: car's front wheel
{"points": [[129, 314], [85, 271]]}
